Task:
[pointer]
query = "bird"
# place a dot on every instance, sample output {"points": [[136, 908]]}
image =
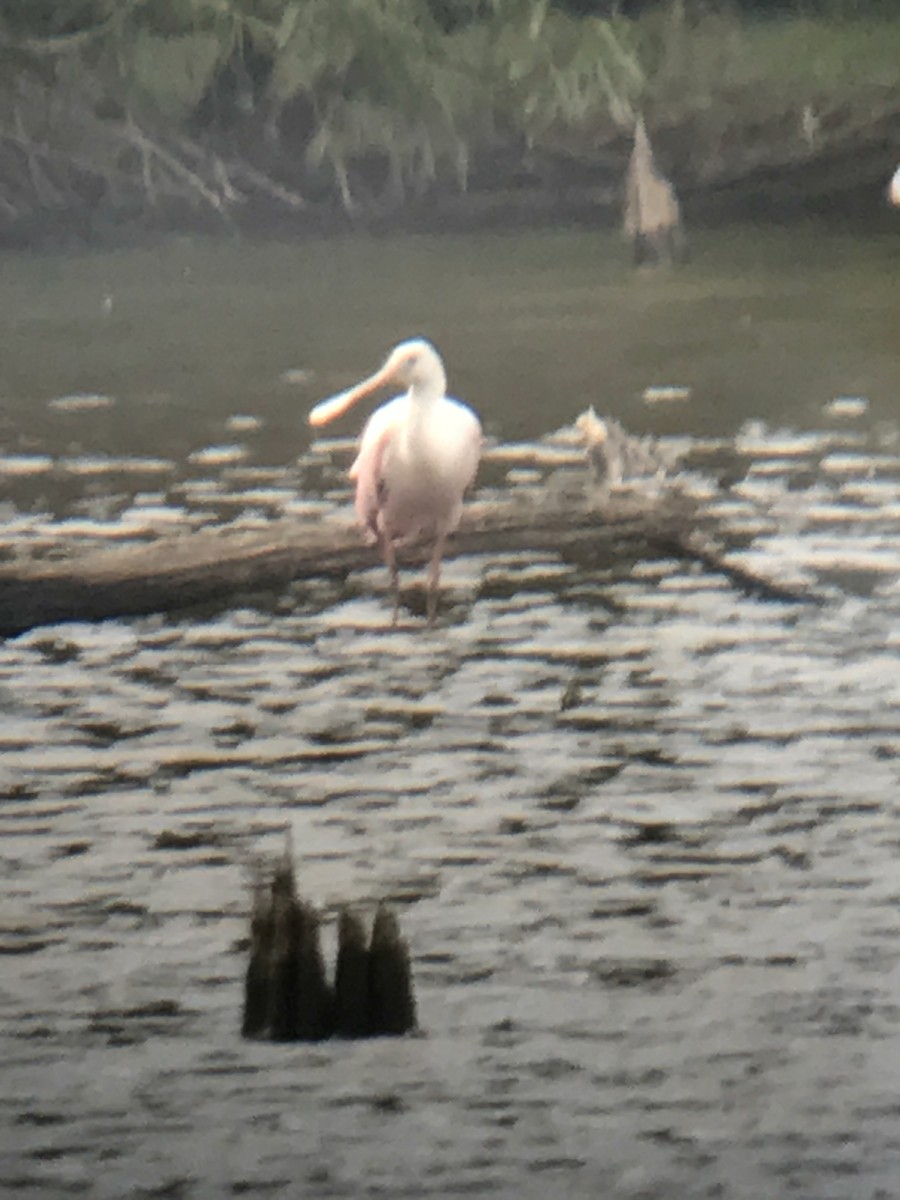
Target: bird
{"points": [[417, 457], [616, 456]]}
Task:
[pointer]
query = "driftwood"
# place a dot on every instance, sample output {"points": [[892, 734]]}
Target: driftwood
{"points": [[652, 217], [569, 514], [287, 997]]}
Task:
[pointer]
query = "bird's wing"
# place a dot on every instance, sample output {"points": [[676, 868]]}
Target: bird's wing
{"points": [[470, 439], [367, 468]]}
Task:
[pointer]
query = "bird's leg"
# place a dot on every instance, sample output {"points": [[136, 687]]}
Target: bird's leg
{"points": [[434, 580], [390, 559]]}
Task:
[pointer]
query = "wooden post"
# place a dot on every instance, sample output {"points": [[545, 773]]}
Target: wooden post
{"points": [[392, 1007], [652, 217], [287, 997], [351, 978]]}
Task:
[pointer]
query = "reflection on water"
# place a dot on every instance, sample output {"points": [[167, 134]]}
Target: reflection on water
{"points": [[642, 827]]}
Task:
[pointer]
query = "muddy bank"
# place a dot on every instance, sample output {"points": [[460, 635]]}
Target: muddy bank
{"points": [[772, 183]]}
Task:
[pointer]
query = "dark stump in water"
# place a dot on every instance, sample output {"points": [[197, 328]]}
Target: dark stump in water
{"points": [[351, 978], [287, 996]]}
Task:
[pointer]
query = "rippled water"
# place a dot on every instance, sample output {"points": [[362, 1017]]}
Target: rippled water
{"points": [[640, 829]]}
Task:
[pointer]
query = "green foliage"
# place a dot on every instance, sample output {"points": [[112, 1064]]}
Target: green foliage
{"points": [[42, 18], [820, 55], [379, 79], [763, 62], [557, 73], [377, 47], [395, 94], [170, 73]]}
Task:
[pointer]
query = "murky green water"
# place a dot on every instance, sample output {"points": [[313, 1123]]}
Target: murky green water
{"points": [[761, 324], [640, 829]]}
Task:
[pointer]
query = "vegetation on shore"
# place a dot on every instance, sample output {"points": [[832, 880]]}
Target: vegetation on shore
{"points": [[312, 110]]}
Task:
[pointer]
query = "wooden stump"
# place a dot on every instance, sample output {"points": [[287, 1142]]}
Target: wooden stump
{"points": [[287, 997], [351, 978], [392, 1006], [652, 217]]}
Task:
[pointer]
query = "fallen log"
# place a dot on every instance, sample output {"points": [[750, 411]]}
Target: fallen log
{"points": [[569, 514]]}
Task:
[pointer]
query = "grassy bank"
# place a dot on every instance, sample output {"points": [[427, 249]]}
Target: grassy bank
{"points": [[373, 109]]}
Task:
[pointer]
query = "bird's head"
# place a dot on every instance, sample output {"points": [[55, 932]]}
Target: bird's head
{"points": [[414, 364]]}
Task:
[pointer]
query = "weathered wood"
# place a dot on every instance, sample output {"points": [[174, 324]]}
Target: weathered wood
{"points": [[652, 217], [392, 1006], [351, 978], [256, 986], [569, 514], [287, 997]]}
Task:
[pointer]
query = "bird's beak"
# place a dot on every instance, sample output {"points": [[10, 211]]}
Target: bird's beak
{"points": [[336, 406]]}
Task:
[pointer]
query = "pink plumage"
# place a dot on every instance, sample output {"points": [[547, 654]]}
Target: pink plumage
{"points": [[417, 456]]}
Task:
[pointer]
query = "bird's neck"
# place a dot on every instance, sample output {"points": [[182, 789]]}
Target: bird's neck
{"points": [[423, 402], [424, 396], [432, 388]]}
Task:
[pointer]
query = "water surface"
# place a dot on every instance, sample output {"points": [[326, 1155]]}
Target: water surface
{"points": [[640, 828]]}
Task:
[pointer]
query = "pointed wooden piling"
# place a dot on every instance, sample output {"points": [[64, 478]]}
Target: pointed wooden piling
{"points": [[287, 996], [652, 216], [351, 978], [392, 1006]]}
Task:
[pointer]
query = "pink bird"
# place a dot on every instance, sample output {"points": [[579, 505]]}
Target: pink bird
{"points": [[418, 454]]}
